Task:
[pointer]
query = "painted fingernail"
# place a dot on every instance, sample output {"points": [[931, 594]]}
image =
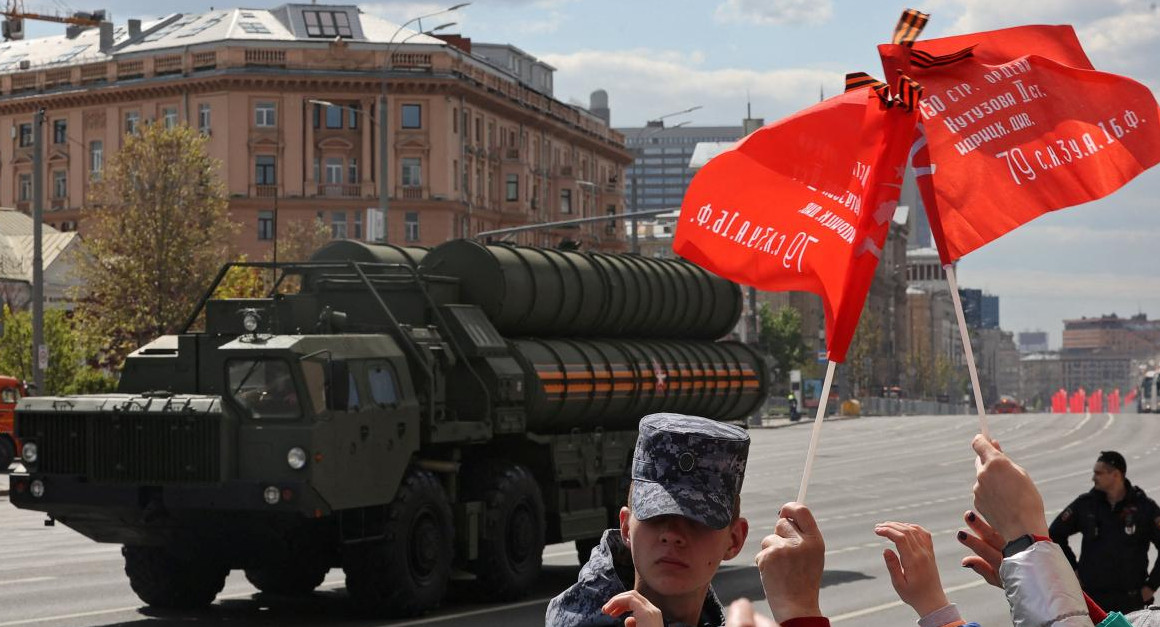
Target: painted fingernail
{"points": [[962, 536], [971, 516]]}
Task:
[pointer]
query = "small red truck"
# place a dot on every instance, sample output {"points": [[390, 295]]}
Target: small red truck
{"points": [[11, 391]]}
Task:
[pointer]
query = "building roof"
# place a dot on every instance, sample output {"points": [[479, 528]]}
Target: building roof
{"points": [[706, 151], [16, 245], [287, 23]]}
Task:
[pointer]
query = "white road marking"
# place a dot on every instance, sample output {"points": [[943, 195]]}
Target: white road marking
{"points": [[893, 604]]}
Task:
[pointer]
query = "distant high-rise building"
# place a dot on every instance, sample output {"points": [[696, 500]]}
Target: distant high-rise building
{"points": [[1032, 342], [972, 300], [981, 311], [989, 316], [658, 177]]}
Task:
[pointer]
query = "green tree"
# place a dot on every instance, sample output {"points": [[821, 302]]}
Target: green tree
{"points": [[69, 353], [301, 238], [865, 352], [780, 336], [158, 231]]}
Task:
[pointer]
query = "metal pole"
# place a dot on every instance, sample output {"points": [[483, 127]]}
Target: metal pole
{"points": [[383, 189], [635, 192], [37, 249]]}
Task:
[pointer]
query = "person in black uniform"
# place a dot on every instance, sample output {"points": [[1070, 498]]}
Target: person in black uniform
{"points": [[1117, 521]]}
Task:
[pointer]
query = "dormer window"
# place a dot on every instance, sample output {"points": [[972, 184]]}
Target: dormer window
{"points": [[327, 24]]}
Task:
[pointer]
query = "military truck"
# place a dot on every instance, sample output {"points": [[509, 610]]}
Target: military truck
{"points": [[400, 413]]}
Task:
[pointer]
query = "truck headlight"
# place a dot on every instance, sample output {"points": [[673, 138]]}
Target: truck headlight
{"points": [[29, 452], [272, 495], [296, 457], [250, 320]]}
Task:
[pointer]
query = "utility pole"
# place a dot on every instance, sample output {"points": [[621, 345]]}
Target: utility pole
{"points": [[39, 350]]}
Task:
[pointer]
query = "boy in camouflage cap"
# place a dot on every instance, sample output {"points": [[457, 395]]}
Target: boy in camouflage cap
{"points": [[682, 520]]}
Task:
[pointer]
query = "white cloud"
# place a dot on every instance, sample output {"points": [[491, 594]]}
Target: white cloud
{"points": [[1120, 36], [644, 83], [812, 12]]}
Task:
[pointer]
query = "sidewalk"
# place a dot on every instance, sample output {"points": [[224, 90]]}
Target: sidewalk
{"points": [[4, 484]]}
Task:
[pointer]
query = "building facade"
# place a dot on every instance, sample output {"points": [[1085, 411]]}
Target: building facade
{"points": [[1103, 353], [291, 101], [661, 170]]}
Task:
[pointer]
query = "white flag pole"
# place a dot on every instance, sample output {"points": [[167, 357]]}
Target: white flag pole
{"points": [[970, 353], [817, 432]]}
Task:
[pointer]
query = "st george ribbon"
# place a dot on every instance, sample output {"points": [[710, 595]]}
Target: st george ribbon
{"points": [[805, 203]]}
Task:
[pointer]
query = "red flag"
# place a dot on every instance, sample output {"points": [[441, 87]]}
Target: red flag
{"points": [[804, 204], [1015, 124]]}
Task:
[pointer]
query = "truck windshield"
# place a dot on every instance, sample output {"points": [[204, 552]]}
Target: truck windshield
{"points": [[265, 387]]}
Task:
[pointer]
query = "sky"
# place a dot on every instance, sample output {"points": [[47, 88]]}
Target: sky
{"points": [[776, 57]]}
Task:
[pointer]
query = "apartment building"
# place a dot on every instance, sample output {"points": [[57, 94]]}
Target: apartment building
{"points": [[290, 99]]}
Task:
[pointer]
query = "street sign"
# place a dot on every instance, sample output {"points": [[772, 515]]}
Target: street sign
{"points": [[822, 357]]}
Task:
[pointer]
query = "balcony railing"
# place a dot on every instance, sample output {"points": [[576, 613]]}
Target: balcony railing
{"points": [[264, 191], [339, 190], [408, 192], [512, 154]]}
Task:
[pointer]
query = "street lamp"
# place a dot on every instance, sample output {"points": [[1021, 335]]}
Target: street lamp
{"points": [[392, 46], [654, 126]]}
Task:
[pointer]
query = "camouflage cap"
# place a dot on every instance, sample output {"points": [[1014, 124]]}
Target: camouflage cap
{"points": [[688, 466]]}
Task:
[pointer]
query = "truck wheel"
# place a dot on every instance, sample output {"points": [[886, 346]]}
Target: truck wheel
{"points": [[164, 580], [406, 572], [295, 577], [511, 551], [7, 453]]}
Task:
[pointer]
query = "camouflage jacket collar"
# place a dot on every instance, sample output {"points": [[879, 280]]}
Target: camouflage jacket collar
{"points": [[609, 572]]}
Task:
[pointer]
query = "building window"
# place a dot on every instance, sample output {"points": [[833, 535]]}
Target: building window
{"points": [[412, 172], [96, 158], [25, 135], [455, 120], [132, 120], [352, 170], [59, 183], [411, 226], [333, 116], [59, 131], [412, 116], [264, 170], [338, 224], [565, 201], [455, 175], [265, 225], [478, 130], [265, 114], [169, 116], [333, 170], [24, 192], [358, 232], [353, 112], [317, 169], [327, 24], [203, 119], [513, 187]]}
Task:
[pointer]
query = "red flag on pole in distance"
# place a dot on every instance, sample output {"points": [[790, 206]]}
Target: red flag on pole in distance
{"points": [[1015, 124], [805, 203]]}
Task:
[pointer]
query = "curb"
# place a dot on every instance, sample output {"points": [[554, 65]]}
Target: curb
{"points": [[804, 421]]}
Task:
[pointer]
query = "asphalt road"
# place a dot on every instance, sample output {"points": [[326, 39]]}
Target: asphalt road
{"points": [[914, 469]]}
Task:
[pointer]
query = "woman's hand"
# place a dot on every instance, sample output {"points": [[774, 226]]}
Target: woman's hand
{"points": [[913, 570]]}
